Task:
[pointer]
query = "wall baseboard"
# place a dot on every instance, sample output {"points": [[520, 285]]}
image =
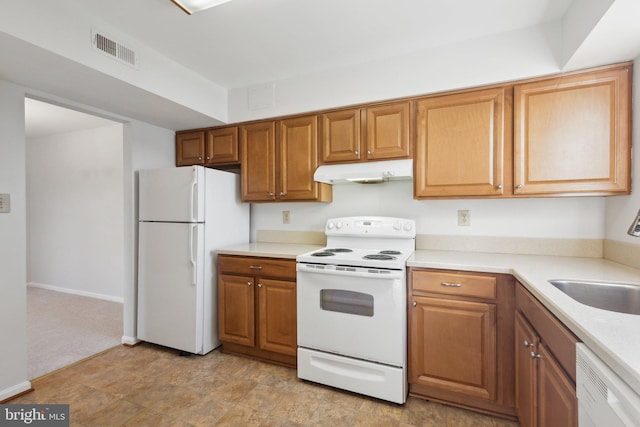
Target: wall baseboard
{"points": [[129, 341], [76, 292], [15, 391]]}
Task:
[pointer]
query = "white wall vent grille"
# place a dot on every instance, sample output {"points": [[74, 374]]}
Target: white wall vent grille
{"points": [[113, 48]]}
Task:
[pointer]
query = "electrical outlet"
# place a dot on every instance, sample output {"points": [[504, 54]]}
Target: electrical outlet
{"points": [[5, 203], [464, 218], [286, 217]]}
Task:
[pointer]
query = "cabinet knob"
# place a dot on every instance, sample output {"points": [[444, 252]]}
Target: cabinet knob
{"points": [[368, 151], [535, 356], [199, 158], [281, 194], [270, 194], [499, 186], [356, 153], [208, 157], [415, 303], [259, 285], [519, 186], [527, 344], [248, 283]]}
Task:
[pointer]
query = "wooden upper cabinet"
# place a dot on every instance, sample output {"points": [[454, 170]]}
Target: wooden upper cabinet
{"points": [[279, 159], [221, 146], [461, 144], [257, 147], [573, 134], [375, 133], [341, 136], [387, 134], [190, 148], [298, 159]]}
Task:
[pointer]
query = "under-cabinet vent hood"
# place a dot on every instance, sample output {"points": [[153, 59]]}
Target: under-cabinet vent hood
{"points": [[365, 172]]}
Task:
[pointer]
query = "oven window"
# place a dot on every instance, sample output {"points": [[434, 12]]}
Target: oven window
{"points": [[346, 302]]}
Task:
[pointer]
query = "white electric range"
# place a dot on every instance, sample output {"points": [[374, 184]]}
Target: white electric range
{"points": [[352, 311]]}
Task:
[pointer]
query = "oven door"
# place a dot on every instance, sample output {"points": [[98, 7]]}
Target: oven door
{"points": [[353, 311]]}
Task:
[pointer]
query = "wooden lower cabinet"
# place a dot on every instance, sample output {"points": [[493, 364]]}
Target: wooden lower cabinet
{"points": [[461, 339], [545, 367], [459, 346], [257, 308]]}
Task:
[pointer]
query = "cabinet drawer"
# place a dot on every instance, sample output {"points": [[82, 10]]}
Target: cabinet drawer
{"points": [[552, 332], [256, 266], [469, 285]]}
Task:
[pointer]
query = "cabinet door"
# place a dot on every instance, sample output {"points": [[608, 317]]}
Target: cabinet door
{"points": [[236, 320], [277, 315], [221, 146], [526, 342], [190, 148], [460, 146], [453, 346], [388, 131], [341, 136], [298, 158], [257, 143], [572, 134], [557, 401]]}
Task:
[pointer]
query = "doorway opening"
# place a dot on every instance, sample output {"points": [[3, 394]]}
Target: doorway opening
{"points": [[75, 223]]}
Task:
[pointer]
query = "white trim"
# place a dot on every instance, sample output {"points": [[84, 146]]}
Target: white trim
{"points": [[10, 392], [76, 292], [129, 340]]}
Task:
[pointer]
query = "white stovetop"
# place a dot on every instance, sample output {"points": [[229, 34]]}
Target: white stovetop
{"points": [[614, 337]]}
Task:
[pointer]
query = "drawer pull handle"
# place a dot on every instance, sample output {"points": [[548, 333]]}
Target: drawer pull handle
{"points": [[451, 285], [255, 267]]}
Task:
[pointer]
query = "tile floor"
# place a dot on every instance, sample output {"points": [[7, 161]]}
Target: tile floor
{"points": [[148, 385]]}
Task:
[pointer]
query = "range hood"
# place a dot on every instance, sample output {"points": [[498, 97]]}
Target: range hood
{"points": [[365, 172]]}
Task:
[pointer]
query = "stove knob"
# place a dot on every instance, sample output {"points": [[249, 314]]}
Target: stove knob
{"points": [[339, 225], [330, 225], [408, 226], [397, 226]]}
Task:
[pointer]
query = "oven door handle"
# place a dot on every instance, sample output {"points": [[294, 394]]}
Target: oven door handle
{"points": [[369, 273]]}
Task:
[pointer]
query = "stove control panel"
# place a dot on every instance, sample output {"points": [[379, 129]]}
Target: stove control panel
{"points": [[371, 225]]}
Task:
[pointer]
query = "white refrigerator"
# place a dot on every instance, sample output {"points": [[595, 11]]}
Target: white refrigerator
{"points": [[185, 214]]}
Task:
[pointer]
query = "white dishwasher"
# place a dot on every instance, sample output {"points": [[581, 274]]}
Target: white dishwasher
{"points": [[603, 398]]}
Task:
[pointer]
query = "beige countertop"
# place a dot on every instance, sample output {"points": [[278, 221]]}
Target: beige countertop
{"points": [[614, 337], [269, 250]]}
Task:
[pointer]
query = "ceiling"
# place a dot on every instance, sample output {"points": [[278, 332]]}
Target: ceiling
{"points": [[246, 42], [253, 42]]}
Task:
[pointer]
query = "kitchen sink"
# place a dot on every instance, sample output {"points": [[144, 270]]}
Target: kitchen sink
{"points": [[620, 297]]}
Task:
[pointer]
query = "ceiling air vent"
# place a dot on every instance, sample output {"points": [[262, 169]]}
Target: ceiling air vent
{"points": [[113, 48]]}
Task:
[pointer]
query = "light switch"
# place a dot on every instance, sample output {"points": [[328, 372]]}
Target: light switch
{"points": [[5, 203]]}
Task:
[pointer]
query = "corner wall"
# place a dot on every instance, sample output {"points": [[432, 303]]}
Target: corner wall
{"points": [[13, 244]]}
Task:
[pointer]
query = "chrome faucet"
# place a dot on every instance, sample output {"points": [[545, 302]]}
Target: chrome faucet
{"points": [[634, 230]]}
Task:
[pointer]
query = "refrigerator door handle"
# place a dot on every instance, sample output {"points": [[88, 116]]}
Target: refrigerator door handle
{"points": [[193, 197], [192, 240]]}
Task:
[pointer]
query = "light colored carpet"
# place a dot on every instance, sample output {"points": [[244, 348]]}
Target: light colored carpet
{"points": [[64, 328]]}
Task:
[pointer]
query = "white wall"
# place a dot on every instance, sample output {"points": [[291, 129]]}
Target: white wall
{"points": [[13, 244], [75, 211], [502, 57], [570, 217]]}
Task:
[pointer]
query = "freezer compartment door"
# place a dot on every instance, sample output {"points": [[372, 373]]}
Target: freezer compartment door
{"points": [[172, 195], [171, 285]]}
